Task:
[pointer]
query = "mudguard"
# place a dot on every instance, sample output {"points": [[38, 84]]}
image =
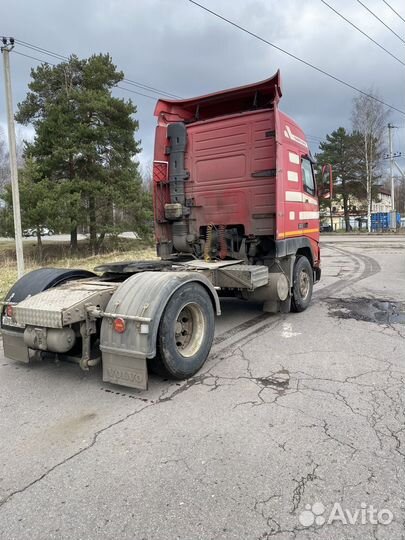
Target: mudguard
{"points": [[42, 279], [140, 302]]}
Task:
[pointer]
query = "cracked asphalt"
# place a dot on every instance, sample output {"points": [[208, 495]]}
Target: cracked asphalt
{"points": [[289, 411]]}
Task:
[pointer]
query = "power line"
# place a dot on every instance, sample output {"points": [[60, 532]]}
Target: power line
{"points": [[320, 70], [51, 64], [33, 58], [135, 92], [150, 88], [396, 12], [40, 49], [291, 55], [361, 31], [381, 21], [131, 82]]}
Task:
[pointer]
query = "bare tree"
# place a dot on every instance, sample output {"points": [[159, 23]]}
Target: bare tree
{"points": [[5, 177], [20, 147], [369, 119], [146, 171], [4, 162]]}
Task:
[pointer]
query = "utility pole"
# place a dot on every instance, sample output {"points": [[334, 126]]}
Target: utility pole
{"points": [[8, 45], [391, 157]]}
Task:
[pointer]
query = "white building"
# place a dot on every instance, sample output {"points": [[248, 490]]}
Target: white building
{"points": [[357, 210], [383, 201]]}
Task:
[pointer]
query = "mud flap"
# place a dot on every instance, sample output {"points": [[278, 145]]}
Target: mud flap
{"points": [[124, 368], [277, 306], [14, 346], [285, 306]]}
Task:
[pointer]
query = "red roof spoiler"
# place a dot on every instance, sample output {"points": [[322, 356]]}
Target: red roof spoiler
{"points": [[259, 95]]}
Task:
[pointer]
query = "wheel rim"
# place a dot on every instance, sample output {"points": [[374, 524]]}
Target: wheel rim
{"points": [[189, 330], [304, 284]]}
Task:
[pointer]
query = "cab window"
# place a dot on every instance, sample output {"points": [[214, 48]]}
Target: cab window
{"points": [[307, 176]]}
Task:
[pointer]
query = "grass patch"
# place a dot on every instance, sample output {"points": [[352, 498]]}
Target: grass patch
{"points": [[135, 251]]}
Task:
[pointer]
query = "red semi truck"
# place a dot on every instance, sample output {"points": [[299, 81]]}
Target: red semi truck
{"points": [[236, 213]]}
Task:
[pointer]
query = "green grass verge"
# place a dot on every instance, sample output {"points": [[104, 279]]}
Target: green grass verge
{"points": [[8, 267]]}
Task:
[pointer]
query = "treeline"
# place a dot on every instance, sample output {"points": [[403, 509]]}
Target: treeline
{"points": [[80, 172], [358, 157]]}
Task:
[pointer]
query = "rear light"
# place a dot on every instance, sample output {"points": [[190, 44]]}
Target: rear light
{"points": [[119, 325], [9, 310]]}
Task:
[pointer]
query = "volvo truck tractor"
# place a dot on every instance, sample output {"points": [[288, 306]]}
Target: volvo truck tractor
{"points": [[236, 214]]}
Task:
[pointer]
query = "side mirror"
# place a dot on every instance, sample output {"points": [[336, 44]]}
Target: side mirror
{"points": [[326, 188]]}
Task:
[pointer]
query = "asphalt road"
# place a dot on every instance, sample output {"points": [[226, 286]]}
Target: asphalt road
{"points": [[289, 411]]}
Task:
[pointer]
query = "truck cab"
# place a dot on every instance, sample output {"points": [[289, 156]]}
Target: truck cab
{"points": [[233, 178]]}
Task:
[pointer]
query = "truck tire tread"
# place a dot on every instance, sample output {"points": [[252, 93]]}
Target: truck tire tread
{"points": [[298, 302], [169, 362]]}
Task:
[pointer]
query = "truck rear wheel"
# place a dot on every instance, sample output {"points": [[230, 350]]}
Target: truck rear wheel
{"points": [[302, 284], [186, 332]]}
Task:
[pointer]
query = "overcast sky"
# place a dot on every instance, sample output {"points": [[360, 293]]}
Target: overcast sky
{"points": [[175, 46]]}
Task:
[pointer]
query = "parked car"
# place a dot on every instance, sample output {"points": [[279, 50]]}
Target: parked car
{"points": [[33, 232]]}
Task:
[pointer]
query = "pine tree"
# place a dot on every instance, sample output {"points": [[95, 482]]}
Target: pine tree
{"points": [[341, 150], [40, 203], [84, 141]]}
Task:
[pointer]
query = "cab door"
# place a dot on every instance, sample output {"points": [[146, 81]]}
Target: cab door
{"points": [[308, 215]]}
